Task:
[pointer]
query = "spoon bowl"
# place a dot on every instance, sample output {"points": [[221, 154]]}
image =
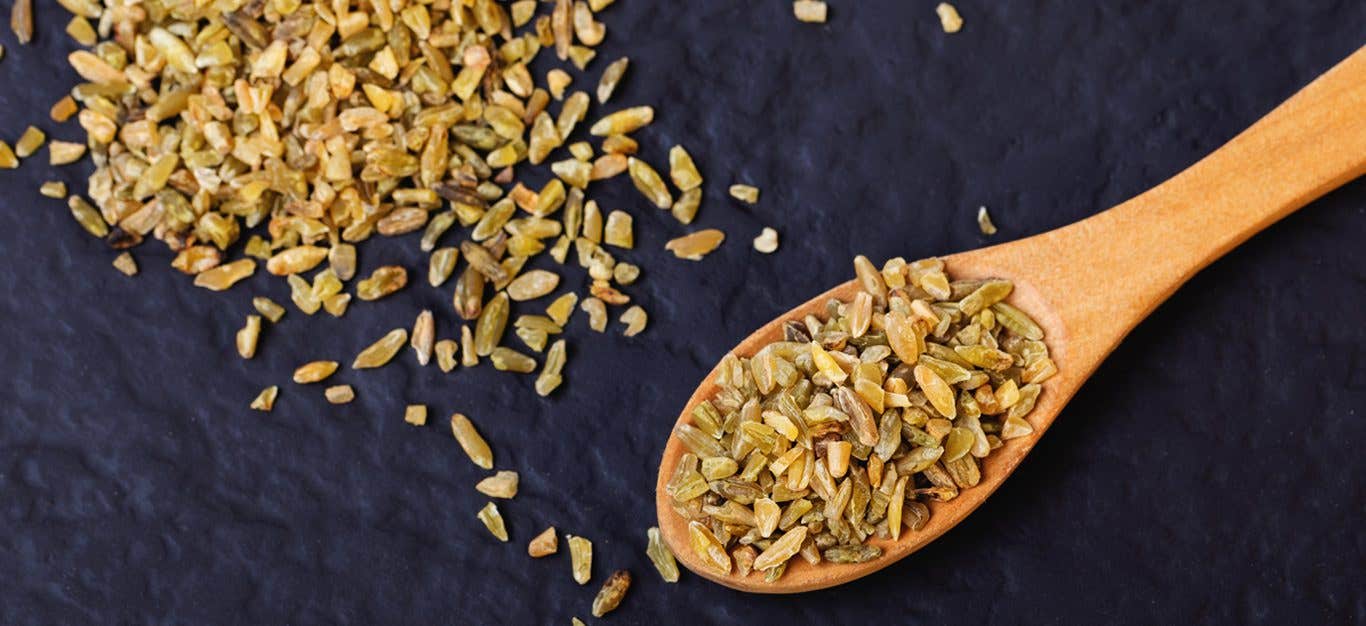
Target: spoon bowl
{"points": [[1088, 284]]}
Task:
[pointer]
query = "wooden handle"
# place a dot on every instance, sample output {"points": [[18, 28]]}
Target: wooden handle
{"points": [[1110, 271]]}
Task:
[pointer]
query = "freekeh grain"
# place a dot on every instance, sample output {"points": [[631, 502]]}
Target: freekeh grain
{"points": [[307, 131], [845, 429]]}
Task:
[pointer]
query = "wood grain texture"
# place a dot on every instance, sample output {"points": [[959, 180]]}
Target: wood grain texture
{"points": [[1088, 284]]}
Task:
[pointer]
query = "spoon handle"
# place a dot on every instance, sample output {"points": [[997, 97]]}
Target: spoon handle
{"points": [[1111, 270]]}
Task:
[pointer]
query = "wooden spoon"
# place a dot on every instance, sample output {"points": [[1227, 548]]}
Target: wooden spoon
{"points": [[1088, 284]]}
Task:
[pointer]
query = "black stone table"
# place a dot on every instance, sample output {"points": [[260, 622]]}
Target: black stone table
{"points": [[1211, 471]]}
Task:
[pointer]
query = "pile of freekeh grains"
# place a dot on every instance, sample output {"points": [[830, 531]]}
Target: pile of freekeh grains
{"points": [[285, 132], [844, 429], [281, 133], [324, 124]]}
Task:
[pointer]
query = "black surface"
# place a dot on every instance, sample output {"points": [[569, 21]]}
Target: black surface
{"points": [[1209, 472]]}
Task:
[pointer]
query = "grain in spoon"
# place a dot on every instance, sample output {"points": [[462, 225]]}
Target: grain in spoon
{"points": [[1088, 284]]}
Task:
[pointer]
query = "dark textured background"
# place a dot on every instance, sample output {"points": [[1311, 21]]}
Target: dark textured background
{"points": [[1209, 472]]}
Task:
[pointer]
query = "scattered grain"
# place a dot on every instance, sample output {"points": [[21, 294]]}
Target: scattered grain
{"points": [[648, 182], [196, 259], [748, 194], [424, 336], [984, 222], [341, 258], [8, 160], [470, 441], [29, 142], [767, 241], [124, 263], [580, 558], [296, 260], [64, 152], [612, 593], [509, 360], [532, 285], [610, 78], [441, 265], [493, 520], [265, 401], [661, 556], [415, 414], [223, 276], [382, 351], [620, 145], [382, 282], [268, 308], [61, 111], [80, 30], [682, 169], [314, 371], [949, 18], [21, 20], [557, 80], [623, 122], [597, 313], [468, 356], [694, 246], [618, 231], [53, 189], [544, 544], [336, 304], [248, 336], [563, 307], [812, 11], [551, 375], [500, 485], [635, 319], [685, 209], [339, 394], [625, 273]]}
